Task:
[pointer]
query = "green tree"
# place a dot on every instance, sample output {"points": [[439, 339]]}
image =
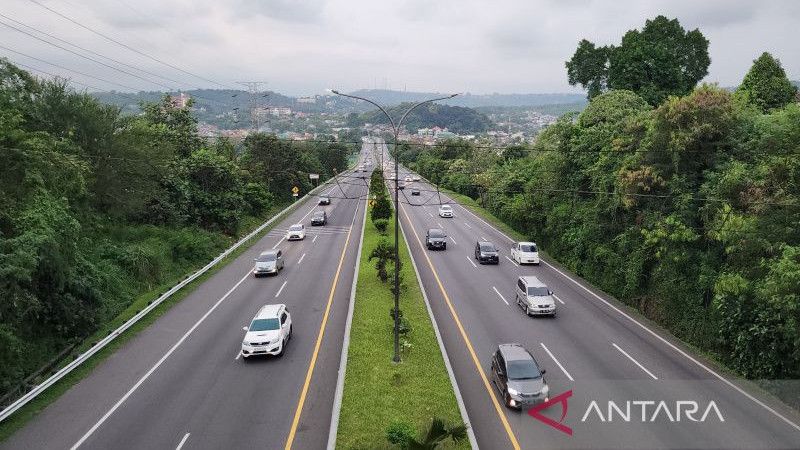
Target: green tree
{"points": [[662, 59], [766, 85]]}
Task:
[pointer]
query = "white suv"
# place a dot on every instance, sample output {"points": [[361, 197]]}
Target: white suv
{"points": [[445, 211], [525, 253], [268, 333], [296, 232]]}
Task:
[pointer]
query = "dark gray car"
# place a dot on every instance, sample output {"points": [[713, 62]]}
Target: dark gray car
{"points": [[435, 239], [518, 377], [319, 218]]}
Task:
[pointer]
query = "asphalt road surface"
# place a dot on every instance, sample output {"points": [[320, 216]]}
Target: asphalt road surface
{"points": [[594, 350], [181, 383]]}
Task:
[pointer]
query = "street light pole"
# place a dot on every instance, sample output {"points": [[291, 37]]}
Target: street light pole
{"points": [[396, 132]]}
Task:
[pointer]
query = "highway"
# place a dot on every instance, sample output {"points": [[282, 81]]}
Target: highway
{"points": [[594, 348], [181, 383]]}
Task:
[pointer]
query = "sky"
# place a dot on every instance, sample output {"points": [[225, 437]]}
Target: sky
{"points": [[303, 47]]}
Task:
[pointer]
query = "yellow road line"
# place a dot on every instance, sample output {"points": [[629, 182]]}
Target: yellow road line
{"points": [[304, 391], [467, 342]]}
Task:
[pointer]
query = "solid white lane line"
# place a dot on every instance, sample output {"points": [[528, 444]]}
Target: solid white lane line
{"points": [[554, 296], [279, 243], [557, 363], [465, 223], [512, 261], [501, 295], [471, 262], [304, 255], [451, 238], [316, 236], [157, 365], [281, 289], [183, 441], [634, 361]]}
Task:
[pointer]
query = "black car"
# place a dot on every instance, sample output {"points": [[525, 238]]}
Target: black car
{"points": [[324, 200], [486, 253], [415, 192], [319, 218], [435, 239], [518, 377]]}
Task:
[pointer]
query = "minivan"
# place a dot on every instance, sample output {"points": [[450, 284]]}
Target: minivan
{"points": [[534, 297]]}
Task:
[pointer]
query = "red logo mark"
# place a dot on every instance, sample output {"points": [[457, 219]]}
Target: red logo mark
{"points": [[560, 398]]}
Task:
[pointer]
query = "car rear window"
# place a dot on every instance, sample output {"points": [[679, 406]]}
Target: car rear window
{"points": [[538, 291], [295, 228], [436, 234], [267, 257], [523, 369], [264, 325]]}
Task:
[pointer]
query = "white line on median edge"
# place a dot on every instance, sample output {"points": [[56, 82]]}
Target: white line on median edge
{"points": [[471, 262], [501, 295], [557, 363], [281, 288], [183, 441], [634, 361], [157, 365]]}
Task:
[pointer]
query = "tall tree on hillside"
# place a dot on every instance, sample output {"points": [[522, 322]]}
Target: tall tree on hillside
{"points": [[662, 59], [766, 85]]}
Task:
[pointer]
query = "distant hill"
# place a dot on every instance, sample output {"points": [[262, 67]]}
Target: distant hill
{"points": [[457, 119], [389, 97]]}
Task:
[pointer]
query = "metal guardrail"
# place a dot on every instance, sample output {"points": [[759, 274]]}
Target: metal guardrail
{"points": [[61, 373]]}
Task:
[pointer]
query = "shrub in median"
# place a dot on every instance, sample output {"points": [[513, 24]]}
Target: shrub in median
{"points": [[380, 225]]}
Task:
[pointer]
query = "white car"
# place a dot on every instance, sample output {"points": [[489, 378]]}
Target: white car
{"points": [[268, 332], [415, 178], [296, 232], [445, 211], [525, 253], [408, 180]]}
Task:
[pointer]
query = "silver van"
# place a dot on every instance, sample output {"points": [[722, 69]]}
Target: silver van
{"points": [[534, 297]]}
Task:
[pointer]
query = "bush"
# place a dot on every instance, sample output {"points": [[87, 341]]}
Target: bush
{"points": [[400, 433], [382, 208], [382, 253], [380, 225]]}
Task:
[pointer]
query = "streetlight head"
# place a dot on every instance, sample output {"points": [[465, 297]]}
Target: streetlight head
{"points": [[335, 92]]}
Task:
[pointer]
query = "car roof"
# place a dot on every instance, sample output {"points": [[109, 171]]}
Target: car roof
{"points": [[482, 243], [432, 230], [269, 311], [319, 213], [269, 252], [445, 206], [515, 352], [532, 281], [527, 243]]}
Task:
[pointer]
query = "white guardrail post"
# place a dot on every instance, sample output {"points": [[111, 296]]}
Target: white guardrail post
{"points": [[33, 393]]}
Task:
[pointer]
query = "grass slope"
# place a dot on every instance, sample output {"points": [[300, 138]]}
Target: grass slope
{"points": [[378, 392]]}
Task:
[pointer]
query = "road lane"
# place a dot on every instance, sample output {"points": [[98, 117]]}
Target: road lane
{"points": [[201, 393], [581, 339]]}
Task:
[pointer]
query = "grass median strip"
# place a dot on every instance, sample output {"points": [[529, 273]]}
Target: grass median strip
{"points": [[378, 393]]}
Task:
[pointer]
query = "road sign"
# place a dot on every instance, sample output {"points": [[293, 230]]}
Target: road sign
{"points": [[313, 176], [295, 190]]}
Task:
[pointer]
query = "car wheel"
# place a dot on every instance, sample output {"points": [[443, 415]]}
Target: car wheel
{"points": [[527, 310], [444, 247]]}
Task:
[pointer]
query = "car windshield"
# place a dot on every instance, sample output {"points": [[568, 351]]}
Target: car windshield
{"points": [[295, 228], [436, 233], [264, 325], [538, 291], [523, 370], [324, 199], [530, 248], [488, 248], [267, 257]]}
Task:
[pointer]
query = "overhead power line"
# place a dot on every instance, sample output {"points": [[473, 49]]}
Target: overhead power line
{"points": [[122, 44], [68, 80]]}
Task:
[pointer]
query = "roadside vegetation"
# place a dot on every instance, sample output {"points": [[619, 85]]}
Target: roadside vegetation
{"points": [[385, 402], [100, 212], [681, 201]]}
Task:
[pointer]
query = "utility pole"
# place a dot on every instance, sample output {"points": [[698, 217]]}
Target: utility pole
{"points": [[254, 88], [396, 126]]}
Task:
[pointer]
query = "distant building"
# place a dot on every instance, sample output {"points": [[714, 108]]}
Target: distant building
{"points": [[307, 100], [180, 101]]}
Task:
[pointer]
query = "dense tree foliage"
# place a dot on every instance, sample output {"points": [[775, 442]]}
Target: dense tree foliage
{"points": [[661, 60], [97, 208], [766, 85], [457, 119], [689, 211]]}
